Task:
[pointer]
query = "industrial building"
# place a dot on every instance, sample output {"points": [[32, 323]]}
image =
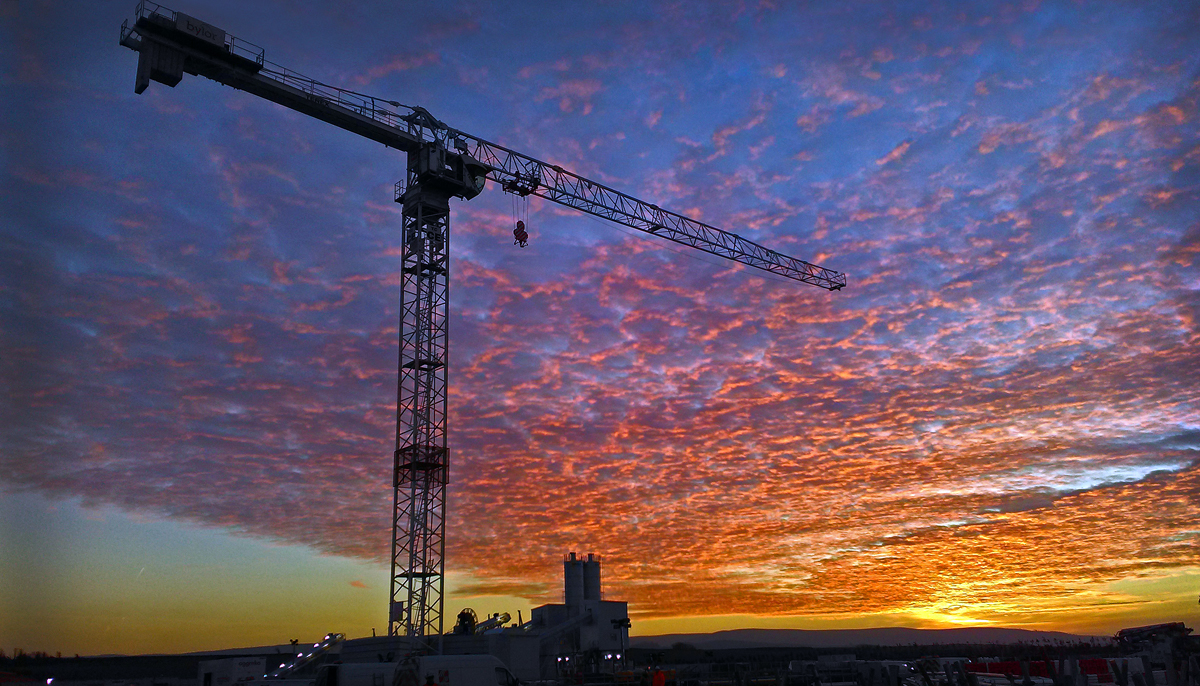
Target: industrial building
{"points": [[585, 634]]}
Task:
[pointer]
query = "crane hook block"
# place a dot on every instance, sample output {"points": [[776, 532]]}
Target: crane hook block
{"points": [[519, 234]]}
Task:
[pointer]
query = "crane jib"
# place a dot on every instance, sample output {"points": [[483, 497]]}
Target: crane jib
{"points": [[524, 175]]}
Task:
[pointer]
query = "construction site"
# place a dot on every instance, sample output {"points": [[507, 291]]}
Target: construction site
{"points": [[1159, 655], [444, 164], [585, 639]]}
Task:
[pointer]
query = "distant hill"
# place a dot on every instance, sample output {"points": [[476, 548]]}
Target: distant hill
{"points": [[848, 638]]}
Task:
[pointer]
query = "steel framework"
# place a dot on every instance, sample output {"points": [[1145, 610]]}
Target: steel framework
{"points": [[422, 460], [443, 163]]}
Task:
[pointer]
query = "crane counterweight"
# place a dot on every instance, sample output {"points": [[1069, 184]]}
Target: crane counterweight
{"points": [[443, 163]]}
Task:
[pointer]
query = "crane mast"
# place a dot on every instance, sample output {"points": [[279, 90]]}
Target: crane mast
{"points": [[443, 163]]}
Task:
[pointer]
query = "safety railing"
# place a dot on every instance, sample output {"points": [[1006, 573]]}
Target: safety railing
{"points": [[147, 9], [366, 105]]}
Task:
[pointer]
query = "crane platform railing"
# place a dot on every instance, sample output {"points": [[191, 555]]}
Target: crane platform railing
{"points": [[147, 10]]}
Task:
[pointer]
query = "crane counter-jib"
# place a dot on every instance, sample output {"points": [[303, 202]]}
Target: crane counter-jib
{"points": [[443, 163], [166, 53]]}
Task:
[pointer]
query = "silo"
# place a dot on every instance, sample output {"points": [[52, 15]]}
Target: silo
{"points": [[573, 582], [591, 578]]}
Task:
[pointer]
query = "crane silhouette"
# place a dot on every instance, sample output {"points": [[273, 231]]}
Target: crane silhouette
{"points": [[443, 163]]}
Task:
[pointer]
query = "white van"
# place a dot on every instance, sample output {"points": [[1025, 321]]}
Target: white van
{"points": [[428, 670]]}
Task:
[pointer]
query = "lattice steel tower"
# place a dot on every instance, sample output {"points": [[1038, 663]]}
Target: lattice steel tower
{"points": [[422, 458]]}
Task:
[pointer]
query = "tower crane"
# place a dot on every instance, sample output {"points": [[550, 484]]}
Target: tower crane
{"points": [[443, 163]]}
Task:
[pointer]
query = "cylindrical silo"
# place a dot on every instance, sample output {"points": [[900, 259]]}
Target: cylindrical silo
{"points": [[591, 578], [573, 581]]}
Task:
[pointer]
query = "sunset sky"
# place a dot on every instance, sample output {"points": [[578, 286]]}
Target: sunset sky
{"points": [[996, 423]]}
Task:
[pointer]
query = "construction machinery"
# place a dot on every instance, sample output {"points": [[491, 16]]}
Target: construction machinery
{"points": [[443, 163]]}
